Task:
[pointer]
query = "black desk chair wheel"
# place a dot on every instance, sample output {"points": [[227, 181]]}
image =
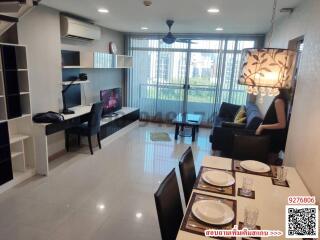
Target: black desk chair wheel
{"points": [[92, 127], [188, 173], [169, 207]]}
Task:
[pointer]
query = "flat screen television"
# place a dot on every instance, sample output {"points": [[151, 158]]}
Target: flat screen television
{"points": [[111, 99]]}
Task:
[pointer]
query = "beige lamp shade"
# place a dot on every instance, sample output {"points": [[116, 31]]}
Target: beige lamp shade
{"points": [[267, 70]]}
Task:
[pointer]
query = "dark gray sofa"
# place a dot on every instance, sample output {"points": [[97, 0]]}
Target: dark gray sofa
{"points": [[224, 129]]}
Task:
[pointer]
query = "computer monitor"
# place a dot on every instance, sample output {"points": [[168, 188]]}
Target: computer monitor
{"points": [[111, 99]]}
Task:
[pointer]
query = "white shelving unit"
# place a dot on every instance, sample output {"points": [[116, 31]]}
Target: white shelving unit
{"points": [[20, 128], [75, 67], [103, 60], [75, 82], [124, 61]]}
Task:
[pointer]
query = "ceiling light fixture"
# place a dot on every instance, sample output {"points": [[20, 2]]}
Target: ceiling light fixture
{"points": [[213, 10], [103, 10], [219, 29], [144, 28], [147, 3], [266, 70], [101, 206]]}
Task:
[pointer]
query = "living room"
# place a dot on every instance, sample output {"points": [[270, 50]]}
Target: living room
{"points": [[108, 101]]}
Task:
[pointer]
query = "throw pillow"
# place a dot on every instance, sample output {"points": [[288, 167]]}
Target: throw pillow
{"points": [[240, 116]]}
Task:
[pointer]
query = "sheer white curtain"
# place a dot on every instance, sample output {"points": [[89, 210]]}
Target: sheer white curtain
{"points": [[196, 75]]}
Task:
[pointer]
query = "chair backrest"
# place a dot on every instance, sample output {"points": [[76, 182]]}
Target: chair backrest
{"points": [[228, 111], [169, 207], [188, 173], [251, 147], [95, 118]]}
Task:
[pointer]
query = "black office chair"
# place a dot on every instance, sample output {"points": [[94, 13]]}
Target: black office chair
{"points": [[188, 173], [251, 147], [92, 127], [169, 207]]}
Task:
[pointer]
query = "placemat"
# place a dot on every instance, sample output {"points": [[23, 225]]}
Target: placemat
{"points": [[280, 183], [193, 225], [252, 196], [203, 186], [236, 167]]}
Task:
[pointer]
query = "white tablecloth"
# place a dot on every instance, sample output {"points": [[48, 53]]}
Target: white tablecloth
{"points": [[271, 200]]}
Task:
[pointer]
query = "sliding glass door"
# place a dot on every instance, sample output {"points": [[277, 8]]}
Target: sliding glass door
{"points": [[195, 76], [203, 77]]}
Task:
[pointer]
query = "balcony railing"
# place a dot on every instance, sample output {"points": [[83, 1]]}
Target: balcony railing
{"points": [[162, 102]]}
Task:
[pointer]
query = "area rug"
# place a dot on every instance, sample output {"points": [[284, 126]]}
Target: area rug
{"points": [[160, 137]]}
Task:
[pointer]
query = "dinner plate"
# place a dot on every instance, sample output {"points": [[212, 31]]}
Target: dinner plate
{"points": [[213, 212], [218, 178], [255, 166]]}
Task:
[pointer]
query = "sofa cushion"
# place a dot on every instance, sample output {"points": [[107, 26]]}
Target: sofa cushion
{"points": [[241, 116], [254, 118]]}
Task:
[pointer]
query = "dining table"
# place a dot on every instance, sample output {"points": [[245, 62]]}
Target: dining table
{"points": [[269, 199]]}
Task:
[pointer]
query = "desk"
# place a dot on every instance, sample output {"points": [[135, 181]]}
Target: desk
{"points": [[270, 199], [108, 126]]}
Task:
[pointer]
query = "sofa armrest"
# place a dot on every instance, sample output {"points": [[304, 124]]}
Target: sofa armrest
{"points": [[233, 125]]}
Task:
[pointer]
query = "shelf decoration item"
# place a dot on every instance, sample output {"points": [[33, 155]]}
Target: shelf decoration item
{"points": [[113, 48], [267, 70], [65, 109], [83, 77]]}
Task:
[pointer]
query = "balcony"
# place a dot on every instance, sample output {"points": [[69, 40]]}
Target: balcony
{"points": [[164, 102]]}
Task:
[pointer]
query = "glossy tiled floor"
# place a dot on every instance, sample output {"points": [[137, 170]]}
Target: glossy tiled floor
{"points": [[105, 196]]}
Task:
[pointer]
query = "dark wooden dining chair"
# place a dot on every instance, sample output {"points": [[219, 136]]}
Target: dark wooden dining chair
{"points": [[251, 147], [187, 173], [88, 129], [169, 207]]}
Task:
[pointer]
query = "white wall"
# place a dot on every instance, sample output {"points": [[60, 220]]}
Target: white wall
{"points": [[303, 150], [100, 78], [288, 28], [40, 32]]}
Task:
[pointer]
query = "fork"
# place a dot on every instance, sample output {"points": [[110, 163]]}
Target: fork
{"points": [[196, 226], [217, 188]]}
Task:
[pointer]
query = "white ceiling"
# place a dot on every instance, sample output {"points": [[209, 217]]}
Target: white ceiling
{"points": [[191, 16]]}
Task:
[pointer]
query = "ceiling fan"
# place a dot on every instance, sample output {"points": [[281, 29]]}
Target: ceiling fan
{"points": [[170, 38]]}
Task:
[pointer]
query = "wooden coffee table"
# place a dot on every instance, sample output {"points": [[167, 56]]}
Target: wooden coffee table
{"points": [[187, 120]]}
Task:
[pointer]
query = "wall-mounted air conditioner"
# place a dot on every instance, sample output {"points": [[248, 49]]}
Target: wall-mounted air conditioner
{"points": [[73, 28]]}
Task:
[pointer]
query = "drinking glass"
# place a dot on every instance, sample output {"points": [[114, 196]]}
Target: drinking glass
{"points": [[282, 174], [247, 185], [250, 217]]}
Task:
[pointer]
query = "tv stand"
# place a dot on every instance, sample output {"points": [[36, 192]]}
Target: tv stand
{"points": [[109, 126], [107, 115]]}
